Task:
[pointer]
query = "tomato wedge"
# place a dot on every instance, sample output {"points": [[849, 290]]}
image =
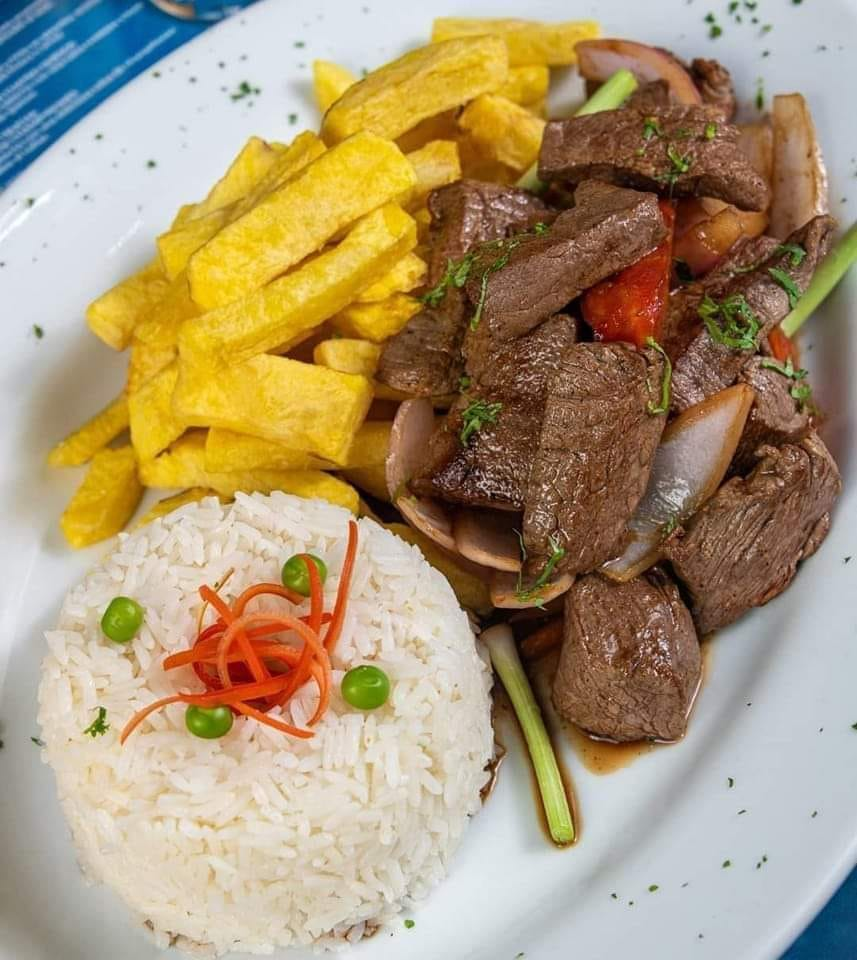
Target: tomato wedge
{"points": [[631, 305], [783, 347]]}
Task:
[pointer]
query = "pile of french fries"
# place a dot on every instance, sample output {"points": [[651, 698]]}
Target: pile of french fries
{"points": [[255, 331]]}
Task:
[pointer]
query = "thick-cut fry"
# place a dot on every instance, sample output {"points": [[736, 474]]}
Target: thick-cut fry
{"points": [[113, 316], [371, 445], [503, 131], [106, 499], [526, 85], [376, 321], [442, 126], [435, 164], [472, 592], [168, 504], [252, 162], [160, 328], [418, 85], [302, 405], [79, 447], [348, 356], [336, 189], [286, 311], [181, 241], [146, 361], [370, 480], [153, 425], [227, 451], [528, 41], [405, 276], [329, 82], [184, 465]]}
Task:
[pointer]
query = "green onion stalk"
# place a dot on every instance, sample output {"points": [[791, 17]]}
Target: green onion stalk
{"points": [[828, 274], [610, 95], [504, 656]]}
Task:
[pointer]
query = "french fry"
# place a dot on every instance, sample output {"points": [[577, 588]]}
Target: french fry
{"points": [[146, 361], [503, 131], [168, 504], [348, 356], [302, 405], [418, 85], [184, 465], [298, 218], [370, 445], [253, 161], [286, 311], [471, 592], [477, 166], [106, 499], [227, 451], [370, 480], [423, 221], [435, 164], [403, 277], [528, 41], [329, 82], [376, 321], [526, 85], [153, 425], [79, 447], [442, 126], [160, 328], [181, 241], [113, 316]]}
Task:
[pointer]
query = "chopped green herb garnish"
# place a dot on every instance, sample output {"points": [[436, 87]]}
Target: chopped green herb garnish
{"points": [[557, 553], [760, 94], [477, 415], [38, 741], [726, 863], [98, 727], [680, 164], [243, 90], [682, 270], [653, 887], [710, 131], [733, 5], [38, 332], [744, 810], [293, 119], [410, 924], [730, 322], [668, 528], [614, 896], [455, 275], [731, 782], [464, 382], [299, 44], [651, 128], [795, 251], [540, 229], [801, 393], [666, 382], [715, 31], [29, 202], [786, 282], [151, 164]]}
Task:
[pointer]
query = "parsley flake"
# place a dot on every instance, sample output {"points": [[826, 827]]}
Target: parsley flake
{"points": [[243, 90], [38, 332], [710, 131], [730, 322], [653, 887], [455, 275], [410, 924], [476, 416], [681, 163], [38, 741], [525, 594], [786, 282], [796, 253], [726, 863], [98, 727], [760, 94], [731, 782], [464, 382], [651, 128]]}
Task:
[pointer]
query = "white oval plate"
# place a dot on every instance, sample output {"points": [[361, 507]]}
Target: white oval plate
{"points": [[776, 712]]}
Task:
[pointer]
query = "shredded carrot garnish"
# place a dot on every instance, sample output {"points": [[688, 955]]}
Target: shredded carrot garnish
{"points": [[250, 662]]}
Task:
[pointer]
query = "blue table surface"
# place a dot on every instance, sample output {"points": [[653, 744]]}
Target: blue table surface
{"points": [[135, 35]]}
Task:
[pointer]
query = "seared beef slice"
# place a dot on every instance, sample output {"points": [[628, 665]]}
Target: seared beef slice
{"points": [[607, 229], [630, 662], [493, 468], [714, 83], [743, 547], [680, 151], [595, 454], [708, 366], [424, 358]]}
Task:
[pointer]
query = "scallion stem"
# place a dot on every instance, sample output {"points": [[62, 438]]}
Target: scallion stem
{"points": [[828, 274], [504, 656], [610, 95]]}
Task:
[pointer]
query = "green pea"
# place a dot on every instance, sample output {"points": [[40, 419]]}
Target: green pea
{"points": [[210, 723], [295, 574], [366, 687], [122, 619]]}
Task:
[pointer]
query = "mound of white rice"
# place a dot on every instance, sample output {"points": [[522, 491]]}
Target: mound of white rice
{"points": [[259, 840]]}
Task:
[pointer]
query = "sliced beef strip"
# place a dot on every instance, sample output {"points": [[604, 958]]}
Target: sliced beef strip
{"points": [[714, 83], [707, 366], [743, 547], [630, 664], [594, 454], [493, 468], [776, 417], [611, 146], [424, 358], [607, 229], [649, 97]]}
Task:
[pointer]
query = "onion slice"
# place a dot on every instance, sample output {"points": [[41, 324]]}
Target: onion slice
{"points": [[689, 465], [800, 177], [505, 591], [599, 59], [488, 537], [412, 428]]}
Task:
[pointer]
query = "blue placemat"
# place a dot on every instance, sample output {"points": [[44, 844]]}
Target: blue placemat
{"points": [[61, 58]]}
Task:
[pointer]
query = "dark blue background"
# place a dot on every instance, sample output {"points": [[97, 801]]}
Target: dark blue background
{"points": [[833, 936]]}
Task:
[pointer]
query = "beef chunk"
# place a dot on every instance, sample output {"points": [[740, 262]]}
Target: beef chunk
{"points": [[714, 83], [649, 97], [743, 547], [594, 454], [607, 230], [630, 664], [493, 467], [424, 358], [707, 365], [777, 415], [612, 146]]}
